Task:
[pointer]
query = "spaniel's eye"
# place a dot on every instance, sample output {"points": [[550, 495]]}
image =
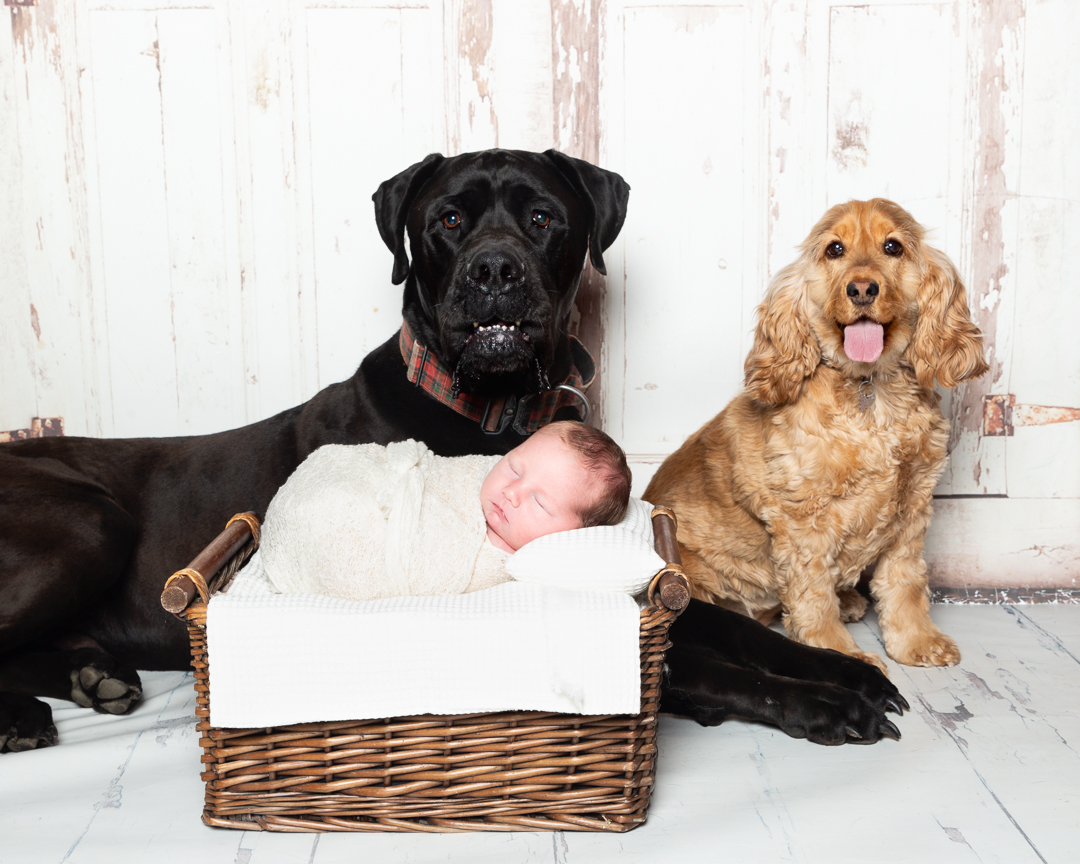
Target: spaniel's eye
{"points": [[541, 218], [451, 219], [893, 248], [834, 249]]}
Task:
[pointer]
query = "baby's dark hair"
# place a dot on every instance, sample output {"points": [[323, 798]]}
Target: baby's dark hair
{"points": [[605, 461]]}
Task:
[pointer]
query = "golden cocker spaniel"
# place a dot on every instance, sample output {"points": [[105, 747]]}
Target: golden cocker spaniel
{"points": [[826, 462]]}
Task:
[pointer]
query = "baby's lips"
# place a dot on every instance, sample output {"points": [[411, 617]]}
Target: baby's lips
{"points": [[495, 514]]}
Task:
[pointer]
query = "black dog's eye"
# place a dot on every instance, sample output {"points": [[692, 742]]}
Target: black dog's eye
{"points": [[451, 219], [893, 248], [834, 249], [541, 218]]}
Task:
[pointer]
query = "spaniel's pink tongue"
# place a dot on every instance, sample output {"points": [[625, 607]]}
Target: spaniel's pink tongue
{"points": [[864, 340]]}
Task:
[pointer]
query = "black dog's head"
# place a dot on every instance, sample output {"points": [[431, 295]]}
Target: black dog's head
{"points": [[498, 242]]}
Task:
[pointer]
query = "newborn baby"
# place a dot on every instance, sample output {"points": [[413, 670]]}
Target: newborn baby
{"points": [[367, 521]]}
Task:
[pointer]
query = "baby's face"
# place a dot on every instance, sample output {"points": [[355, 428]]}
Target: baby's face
{"points": [[537, 488]]}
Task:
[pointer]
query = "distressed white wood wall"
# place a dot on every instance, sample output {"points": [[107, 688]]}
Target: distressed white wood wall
{"points": [[187, 241]]}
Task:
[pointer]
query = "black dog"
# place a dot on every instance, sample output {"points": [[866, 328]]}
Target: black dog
{"points": [[89, 528]]}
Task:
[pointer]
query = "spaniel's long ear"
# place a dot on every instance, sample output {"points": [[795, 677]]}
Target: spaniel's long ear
{"points": [[785, 351], [604, 194], [392, 201], [947, 346]]}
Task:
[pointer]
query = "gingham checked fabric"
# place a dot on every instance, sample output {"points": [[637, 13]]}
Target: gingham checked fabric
{"points": [[428, 372]]}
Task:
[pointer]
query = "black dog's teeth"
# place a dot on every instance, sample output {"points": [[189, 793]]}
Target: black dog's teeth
{"points": [[498, 325]]}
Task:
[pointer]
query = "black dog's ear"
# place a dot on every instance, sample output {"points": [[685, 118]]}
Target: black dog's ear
{"points": [[392, 201], [605, 194]]}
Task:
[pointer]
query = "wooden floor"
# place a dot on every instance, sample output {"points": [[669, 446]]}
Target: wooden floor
{"points": [[988, 771]]}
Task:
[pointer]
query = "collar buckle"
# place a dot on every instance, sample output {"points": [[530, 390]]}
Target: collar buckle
{"points": [[506, 410]]}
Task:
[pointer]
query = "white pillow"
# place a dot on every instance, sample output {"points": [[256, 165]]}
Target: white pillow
{"points": [[604, 558]]}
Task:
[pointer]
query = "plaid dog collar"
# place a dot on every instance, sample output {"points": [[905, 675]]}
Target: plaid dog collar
{"points": [[526, 414]]}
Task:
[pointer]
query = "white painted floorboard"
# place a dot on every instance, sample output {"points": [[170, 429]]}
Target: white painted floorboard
{"points": [[988, 771]]}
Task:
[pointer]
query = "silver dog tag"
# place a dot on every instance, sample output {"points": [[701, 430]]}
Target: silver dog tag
{"points": [[866, 397]]}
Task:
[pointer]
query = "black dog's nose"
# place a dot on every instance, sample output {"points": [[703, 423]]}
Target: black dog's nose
{"points": [[496, 271], [862, 293]]}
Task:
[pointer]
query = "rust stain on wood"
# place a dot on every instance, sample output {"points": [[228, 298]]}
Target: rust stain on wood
{"points": [[1043, 415], [576, 36], [996, 411], [1001, 415], [40, 427]]}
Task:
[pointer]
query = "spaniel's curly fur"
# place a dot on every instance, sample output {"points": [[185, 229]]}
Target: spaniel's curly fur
{"points": [[787, 495]]}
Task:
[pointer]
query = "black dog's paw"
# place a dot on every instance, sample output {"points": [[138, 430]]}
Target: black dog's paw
{"points": [[827, 714], [871, 683], [25, 723], [99, 682]]}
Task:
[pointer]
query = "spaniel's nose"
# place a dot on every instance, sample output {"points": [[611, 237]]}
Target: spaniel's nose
{"points": [[862, 293]]}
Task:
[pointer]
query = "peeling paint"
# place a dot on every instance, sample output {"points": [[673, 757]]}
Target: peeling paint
{"points": [[1005, 596], [994, 71], [982, 686], [22, 33], [949, 720], [575, 43], [851, 148], [576, 36], [475, 35], [262, 89]]}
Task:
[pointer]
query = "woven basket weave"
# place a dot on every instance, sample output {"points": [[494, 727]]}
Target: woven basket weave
{"points": [[510, 771]]}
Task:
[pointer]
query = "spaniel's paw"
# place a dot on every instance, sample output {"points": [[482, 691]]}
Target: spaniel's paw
{"points": [[99, 682], [852, 605], [934, 649]]}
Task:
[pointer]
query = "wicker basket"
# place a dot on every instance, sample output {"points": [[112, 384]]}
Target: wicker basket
{"points": [[508, 771]]}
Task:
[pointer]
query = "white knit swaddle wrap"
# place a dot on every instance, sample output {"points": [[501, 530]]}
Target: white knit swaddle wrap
{"points": [[364, 522]]}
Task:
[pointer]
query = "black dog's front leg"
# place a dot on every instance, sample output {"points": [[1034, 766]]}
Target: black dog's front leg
{"points": [[25, 723], [730, 638], [87, 675], [710, 691]]}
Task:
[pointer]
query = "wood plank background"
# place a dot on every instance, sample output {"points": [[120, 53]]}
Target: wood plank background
{"points": [[188, 242]]}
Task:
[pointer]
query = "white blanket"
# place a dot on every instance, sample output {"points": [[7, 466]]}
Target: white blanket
{"points": [[362, 522], [278, 659]]}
